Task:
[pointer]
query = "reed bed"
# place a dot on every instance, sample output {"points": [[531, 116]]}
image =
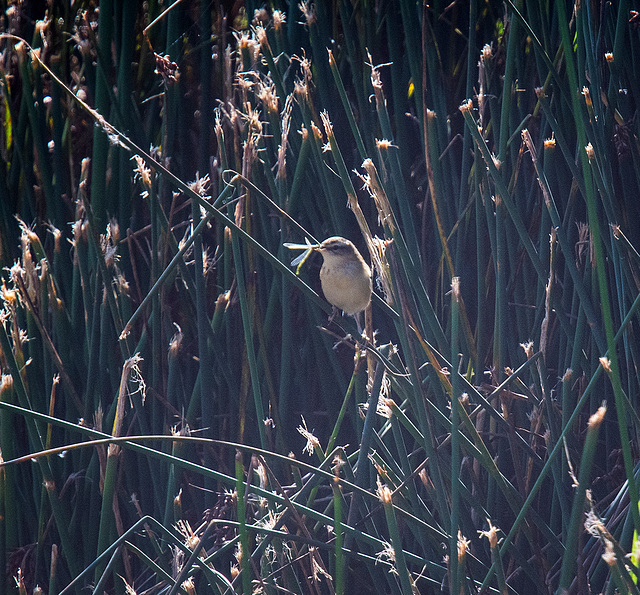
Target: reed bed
{"points": [[177, 414]]}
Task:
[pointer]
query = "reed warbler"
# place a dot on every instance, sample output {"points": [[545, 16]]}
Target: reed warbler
{"points": [[345, 276]]}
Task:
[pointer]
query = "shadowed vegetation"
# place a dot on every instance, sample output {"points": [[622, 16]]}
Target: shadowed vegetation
{"points": [[176, 411]]}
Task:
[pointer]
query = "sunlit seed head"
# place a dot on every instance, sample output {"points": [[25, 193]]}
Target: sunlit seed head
{"points": [[596, 419], [491, 534], [279, 19], [591, 154], [606, 364], [308, 10], [466, 106]]}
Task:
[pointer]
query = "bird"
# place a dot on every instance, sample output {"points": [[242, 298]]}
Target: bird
{"points": [[345, 277]]}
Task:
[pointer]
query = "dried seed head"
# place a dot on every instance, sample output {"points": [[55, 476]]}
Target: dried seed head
{"points": [[114, 230], [267, 94], [279, 19], [425, 479], [528, 348], [593, 525], [21, 51], [463, 546], [591, 154], [609, 555], [19, 579], [254, 124], [260, 471], [9, 296], [384, 144], [244, 40], [317, 133], [384, 407], [491, 534], [6, 383], [384, 494], [455, 288], [300, 89], [57, 237], [122, 284], [389, 554], [466, 106], [109, 248], [328, 126], [143, 173], [606, 364], [596, 419], [167, 69], [129, 590], [376, 81], [261, 36], [312, 441], [189, 538], [200, 185], [260, 17], [176, 341], [245, 84], [189, 586], [308, 10]]}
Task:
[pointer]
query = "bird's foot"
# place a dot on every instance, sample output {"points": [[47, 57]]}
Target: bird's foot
{"points": [[334, 313]]}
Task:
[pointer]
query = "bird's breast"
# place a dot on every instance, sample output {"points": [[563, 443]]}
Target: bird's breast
{"points": [[346, 286]]}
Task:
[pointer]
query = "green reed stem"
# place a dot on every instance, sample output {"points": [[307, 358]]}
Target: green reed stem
{"points": [[396, 541], [576, 522], [455, 439], [242, 526], [337, 531]]}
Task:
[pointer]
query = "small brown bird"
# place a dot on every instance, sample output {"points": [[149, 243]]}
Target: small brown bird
{"points": [[345, 276]]}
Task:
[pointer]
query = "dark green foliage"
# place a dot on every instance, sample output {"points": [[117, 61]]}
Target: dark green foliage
{"points": [[161, 359]]}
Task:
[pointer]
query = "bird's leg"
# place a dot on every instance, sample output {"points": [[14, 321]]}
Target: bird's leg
{"points": [[334, 313], [356, 317]]}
